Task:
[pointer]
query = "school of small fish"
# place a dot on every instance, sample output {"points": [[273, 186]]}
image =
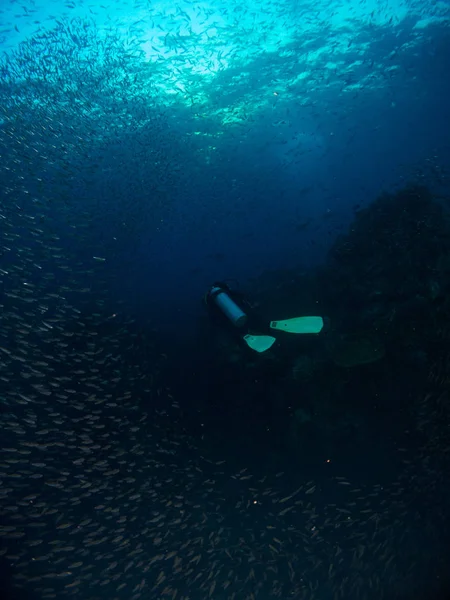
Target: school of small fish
{"points": [[102, 494]]}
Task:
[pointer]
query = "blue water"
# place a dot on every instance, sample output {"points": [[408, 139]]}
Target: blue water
{"points": [[149, 149], [290, 116]]}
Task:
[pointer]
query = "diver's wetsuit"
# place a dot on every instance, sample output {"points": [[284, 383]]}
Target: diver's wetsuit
{"points": [[255, 324]]}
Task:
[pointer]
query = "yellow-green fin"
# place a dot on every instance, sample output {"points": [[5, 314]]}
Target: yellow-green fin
{"points": [[299, 325]]}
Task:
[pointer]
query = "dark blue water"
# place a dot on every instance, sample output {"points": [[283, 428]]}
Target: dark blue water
{"points": [[299, 155]]}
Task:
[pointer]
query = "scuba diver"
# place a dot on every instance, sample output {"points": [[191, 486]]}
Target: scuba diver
{"points": [[231, 309]]}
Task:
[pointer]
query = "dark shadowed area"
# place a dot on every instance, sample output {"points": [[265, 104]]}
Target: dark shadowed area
{"points": [[224, 300]]}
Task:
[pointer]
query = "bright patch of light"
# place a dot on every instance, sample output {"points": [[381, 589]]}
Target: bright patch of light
{"points": [[227, 58]]}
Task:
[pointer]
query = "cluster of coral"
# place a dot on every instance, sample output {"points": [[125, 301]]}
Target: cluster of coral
{"points": [[383, 294]]}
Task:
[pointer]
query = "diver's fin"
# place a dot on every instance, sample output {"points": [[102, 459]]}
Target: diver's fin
{"points": [[299, 325], [259, 343]]}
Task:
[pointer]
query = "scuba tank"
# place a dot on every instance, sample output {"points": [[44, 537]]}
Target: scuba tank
{"points": [[219, 295]]}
